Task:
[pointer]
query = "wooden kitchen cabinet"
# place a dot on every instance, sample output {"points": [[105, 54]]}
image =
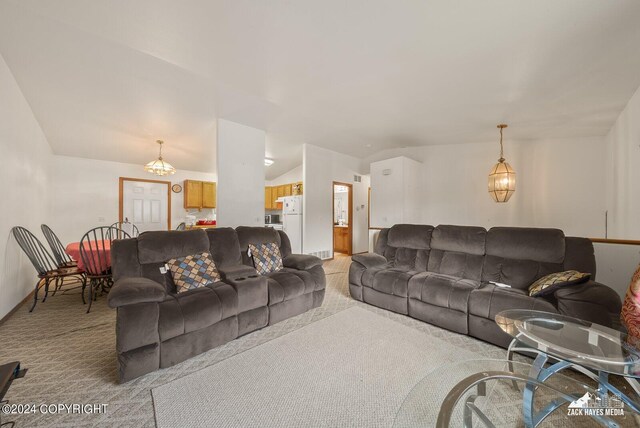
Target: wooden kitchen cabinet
{"points": [[271, 193], [209, 194], [199, 194], [268, 199]]}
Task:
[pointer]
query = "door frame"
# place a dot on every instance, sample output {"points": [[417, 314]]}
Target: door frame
{"points": [[143, 180], [350, 219]]}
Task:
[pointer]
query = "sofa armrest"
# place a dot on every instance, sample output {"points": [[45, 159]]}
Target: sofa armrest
{"points": [[232, 273], [132, 290], [369, 260], [590, 301], [301, 261]]}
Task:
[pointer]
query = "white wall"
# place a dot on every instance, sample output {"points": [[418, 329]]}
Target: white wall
{"points": [[560, 183], [321, 167], [292, 176], [396, 192], [85, 194], [240, 160], [25, 177], [623, 180]]}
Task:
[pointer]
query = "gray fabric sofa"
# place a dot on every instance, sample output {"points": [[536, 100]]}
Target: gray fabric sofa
{"points": [[442, 276], [157, 327]]}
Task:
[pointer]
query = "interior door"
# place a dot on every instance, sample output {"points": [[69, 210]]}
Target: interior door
{"points": [[146, 204]]}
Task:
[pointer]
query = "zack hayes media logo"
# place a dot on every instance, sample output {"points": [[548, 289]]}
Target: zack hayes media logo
{"points": [[592, 405]]}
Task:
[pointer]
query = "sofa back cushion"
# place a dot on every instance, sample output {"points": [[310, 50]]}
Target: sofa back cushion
{"points": [[256, 235], [157, 247], [412, 245], [519, 256], [382, 246], [458, 251], [224, 246]]}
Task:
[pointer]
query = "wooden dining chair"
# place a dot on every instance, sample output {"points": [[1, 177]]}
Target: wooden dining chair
{"points": [[182, 226], [95, 252], [44, 263], [127, 227], [57, 249]]}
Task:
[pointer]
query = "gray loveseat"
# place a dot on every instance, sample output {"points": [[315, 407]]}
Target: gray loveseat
{"points": [[442, 276], [157, 327]]}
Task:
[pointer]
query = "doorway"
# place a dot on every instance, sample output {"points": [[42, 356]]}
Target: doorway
{"points": [[342, 218], [145, 203]]}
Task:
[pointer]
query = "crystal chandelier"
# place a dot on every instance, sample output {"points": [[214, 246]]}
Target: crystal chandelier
{"points": [[159, 166], [502, 177]]}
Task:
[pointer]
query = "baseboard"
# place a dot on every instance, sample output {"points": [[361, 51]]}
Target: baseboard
{"points": [[361, 252], [12, 311]]}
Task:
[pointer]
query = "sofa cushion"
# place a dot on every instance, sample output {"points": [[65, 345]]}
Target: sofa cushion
{"points": [[550, 283], [442, 290], [194, 271], [255, 235], [488, 300], [414, 236], [459, 239], [393, 281], [266, 257], [160, 246], [224, 246], [195, 309], [519, 274], [287, 284], [523, 243]]}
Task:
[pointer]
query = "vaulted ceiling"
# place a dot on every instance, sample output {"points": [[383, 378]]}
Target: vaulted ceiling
{"points": [[106, 78]]}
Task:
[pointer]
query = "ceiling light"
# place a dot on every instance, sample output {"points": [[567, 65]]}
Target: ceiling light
{"points": [[268, 162], [159, 166], [502, 178]]}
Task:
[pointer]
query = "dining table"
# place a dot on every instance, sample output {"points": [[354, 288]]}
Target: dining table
{"points": [[98, 253]]}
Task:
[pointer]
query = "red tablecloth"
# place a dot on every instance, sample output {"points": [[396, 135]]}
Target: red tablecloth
{"points": [[99, 253]]}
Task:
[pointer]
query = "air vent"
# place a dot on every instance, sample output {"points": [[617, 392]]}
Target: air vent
{"points": [[324, 254], [357, 178]]}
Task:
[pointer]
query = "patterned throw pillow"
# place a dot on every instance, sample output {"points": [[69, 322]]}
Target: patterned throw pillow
{"points": [[266, 257], [550, 283], [193, 271], [630, 315]]}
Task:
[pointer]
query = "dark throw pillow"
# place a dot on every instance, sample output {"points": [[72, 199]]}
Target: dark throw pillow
{"points": [[550, 283], [193, 271], [266, 257]]}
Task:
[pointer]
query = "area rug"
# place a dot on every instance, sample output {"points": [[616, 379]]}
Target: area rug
{"points": [[353, 368]]}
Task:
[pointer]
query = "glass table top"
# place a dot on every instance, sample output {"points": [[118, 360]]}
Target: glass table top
{"points": [[501, 403], [587, 344]]}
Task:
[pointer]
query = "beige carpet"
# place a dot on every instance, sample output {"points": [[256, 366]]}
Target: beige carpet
{"points": [[351, 369]]}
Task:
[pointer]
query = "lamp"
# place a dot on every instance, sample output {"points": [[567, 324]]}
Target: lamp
{"points": [[502, 177], [159, 166]]}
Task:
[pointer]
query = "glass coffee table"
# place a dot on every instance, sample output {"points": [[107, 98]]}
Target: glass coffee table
{"points": [[560, 342], [481, 393]]}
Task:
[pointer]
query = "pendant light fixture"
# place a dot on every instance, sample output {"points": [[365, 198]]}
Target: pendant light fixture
{"points": [[502, 178], [159, 166]]}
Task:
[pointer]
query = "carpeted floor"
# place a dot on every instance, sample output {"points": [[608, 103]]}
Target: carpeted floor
{"points": [[71, 359], [352, 369]]}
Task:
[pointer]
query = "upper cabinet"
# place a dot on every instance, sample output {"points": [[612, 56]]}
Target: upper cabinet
{"points": [[199, 194], [271, 193]]}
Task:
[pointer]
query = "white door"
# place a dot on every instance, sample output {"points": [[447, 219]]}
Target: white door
{"points": [[145, 204]]}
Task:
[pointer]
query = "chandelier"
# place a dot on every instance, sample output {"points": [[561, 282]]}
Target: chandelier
{"points": [[502, 177], [159, 166]]}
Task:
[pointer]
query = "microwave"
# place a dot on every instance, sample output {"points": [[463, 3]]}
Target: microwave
{"points": [[271, 219]]}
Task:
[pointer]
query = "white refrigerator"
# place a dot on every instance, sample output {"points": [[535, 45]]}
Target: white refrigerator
{"points": [[292, 221]]}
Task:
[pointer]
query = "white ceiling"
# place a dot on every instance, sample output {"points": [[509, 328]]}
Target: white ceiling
{"points": [[105, 79]]}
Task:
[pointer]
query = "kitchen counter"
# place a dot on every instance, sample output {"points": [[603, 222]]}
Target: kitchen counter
{"points": [[340, 225], [201, 226]]}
